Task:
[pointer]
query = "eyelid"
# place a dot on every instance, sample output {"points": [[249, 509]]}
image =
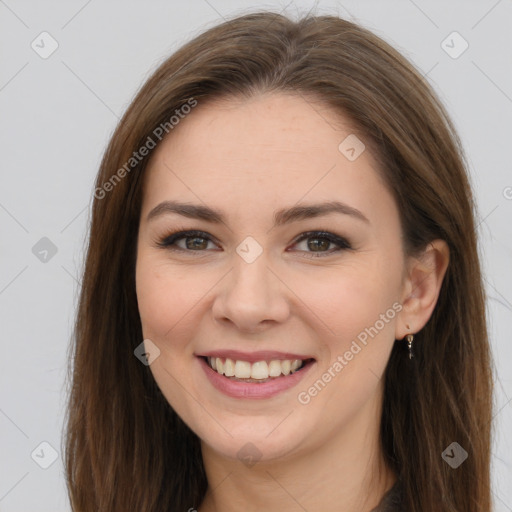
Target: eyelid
{"points": [[169, 240], [339, 240], [179, 234]]}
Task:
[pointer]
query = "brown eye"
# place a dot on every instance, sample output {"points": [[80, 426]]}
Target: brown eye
{"points": [[196, 242], [319, 243], [193, 241]]}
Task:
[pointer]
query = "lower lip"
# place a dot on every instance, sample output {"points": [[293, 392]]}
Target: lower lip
{"points": [[236, 389]]}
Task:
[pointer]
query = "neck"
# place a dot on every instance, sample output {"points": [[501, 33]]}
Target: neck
{"points": [[346, 474]]}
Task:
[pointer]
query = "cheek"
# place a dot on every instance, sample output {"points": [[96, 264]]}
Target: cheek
{"points": [[358, 309], [348, 300], [167, 297], [166, 300]]}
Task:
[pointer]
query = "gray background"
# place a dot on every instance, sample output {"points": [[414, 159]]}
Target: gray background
{"points": [[58, 113]]}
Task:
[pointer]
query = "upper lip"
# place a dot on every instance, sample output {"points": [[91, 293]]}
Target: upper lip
{"points": [[252, 357]]}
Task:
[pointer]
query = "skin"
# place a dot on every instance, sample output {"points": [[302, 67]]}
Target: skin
{"points": [[249, 158]]}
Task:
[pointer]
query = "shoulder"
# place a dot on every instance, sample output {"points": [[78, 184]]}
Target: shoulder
{"points": [[392, 501]]}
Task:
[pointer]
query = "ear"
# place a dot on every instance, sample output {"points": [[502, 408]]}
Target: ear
{"points": [[422, 284]]}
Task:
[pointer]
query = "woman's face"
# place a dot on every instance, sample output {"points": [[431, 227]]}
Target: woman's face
{"points": [[276, 283]]}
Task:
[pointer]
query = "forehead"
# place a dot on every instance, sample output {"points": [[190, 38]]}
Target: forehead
{"points": [[269, 150], [271, 126]]}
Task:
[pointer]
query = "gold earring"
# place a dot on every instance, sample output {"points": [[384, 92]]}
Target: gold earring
{"points": [[409, 338]]}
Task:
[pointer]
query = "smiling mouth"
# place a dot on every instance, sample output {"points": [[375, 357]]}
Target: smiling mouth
{"points": [[257, 372]]}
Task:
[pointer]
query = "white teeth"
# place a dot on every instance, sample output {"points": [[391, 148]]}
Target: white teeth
{"points": [[274, 368], [229, 368], [242, 370], [286, 366], [296, 363], [260, 370]]}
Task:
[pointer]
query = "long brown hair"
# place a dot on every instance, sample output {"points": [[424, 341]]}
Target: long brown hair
{"points": [[126, 449]]}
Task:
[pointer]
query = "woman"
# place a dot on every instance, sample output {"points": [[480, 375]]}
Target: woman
{"points": [[282, 306]]}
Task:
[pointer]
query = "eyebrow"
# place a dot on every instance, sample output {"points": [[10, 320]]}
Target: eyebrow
{"points": [[281, 217]]}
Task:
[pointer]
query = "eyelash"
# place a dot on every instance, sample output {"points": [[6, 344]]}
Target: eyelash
{"points": [[170, 240]]}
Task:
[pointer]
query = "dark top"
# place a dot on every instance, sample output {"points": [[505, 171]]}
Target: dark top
{"points": [[391, 501]]}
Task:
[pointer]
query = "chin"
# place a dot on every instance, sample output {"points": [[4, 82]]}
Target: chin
{"points": [[261, 439]]}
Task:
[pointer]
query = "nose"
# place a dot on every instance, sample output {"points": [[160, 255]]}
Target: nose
{"points": [[251, 297]]}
